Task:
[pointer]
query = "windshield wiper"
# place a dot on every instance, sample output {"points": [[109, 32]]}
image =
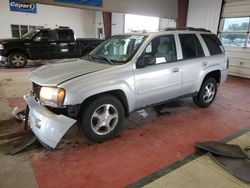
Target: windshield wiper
{"points": [[102, 58], [90, 57]]}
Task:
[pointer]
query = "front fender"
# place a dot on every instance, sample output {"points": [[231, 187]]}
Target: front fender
{"points": [[74, 97]]}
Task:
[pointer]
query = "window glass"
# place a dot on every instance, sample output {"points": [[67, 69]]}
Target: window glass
{"points": [[15, 31], [233, 39], [235, 24], [21, 30], [119, 48], [234, 31], [213, 44], [39, 27], [162, 48], [24, 29], [45, 35], [32, 27], [190, 45], [248, 43], [65, 35]]}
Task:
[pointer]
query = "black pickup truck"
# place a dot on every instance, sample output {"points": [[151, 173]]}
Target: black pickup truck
{"points": [[44, 44]]}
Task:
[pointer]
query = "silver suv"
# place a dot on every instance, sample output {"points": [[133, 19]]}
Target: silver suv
{"points": [[125, 73]]}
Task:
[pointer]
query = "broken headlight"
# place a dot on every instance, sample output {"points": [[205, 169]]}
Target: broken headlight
{"points": [[52, 96]]}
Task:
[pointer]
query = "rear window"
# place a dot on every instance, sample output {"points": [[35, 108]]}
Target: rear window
{"points": [[190, 45], [213, 44]]}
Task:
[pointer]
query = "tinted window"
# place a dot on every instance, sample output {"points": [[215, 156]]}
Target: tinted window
{"points": [[213, 44], [45, 35], [190, 45], [65, 35], [162, 48]]}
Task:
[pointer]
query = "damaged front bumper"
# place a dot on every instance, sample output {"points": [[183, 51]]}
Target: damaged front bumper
{"points": [[47, 126]]}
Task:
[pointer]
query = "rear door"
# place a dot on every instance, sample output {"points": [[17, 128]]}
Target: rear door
{"points": [[161, 81], [66, 46], [193, 61]]}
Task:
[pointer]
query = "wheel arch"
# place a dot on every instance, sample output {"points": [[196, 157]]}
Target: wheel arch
{"points": [[119, 94], [20, 50]]}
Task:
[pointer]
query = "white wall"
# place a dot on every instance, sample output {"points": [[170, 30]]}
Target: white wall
{"points": [[159, 8], [117, 23], [165, 23], [80, 20], [204, 14]]}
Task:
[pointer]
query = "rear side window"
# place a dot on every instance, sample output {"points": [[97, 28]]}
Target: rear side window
{"points": [[190, 45], [213, 44], [65, 35]]}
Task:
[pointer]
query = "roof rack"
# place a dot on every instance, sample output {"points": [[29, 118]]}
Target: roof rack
{"points": [[184, 29]]}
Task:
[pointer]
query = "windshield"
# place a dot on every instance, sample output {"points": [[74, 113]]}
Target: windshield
{"points": [[118, 49], [30, 34]]}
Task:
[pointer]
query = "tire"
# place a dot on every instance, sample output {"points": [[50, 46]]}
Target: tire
{"points": [[17, 60], [206, 94], [102, 118]]}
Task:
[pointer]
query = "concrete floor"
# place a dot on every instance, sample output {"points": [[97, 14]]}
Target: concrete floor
{"points": [[145, 146]]}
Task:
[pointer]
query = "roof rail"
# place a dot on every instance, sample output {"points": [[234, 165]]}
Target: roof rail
{"points": [[184, 29]]}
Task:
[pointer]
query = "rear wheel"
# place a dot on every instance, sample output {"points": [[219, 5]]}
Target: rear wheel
{"points": [[206, 94], [17, 60], [102, 118]]}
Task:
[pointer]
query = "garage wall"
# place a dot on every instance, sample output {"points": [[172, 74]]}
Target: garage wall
{"points": [[236, 8], [159, 8], [239, 56], [81, 21], [204, 14], [117, 23]]}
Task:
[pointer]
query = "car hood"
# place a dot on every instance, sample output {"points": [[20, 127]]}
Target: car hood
{"points": [[11, 40], [55, 74]]}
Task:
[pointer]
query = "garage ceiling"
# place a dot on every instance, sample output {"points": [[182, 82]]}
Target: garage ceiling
{"points": [[159, 8]]}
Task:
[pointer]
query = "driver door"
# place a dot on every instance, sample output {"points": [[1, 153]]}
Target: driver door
{"points": [[161, 81], [43, 45]]}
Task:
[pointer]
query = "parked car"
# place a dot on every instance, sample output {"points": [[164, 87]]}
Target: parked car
{"points": [[125, 73], [44, 44]]}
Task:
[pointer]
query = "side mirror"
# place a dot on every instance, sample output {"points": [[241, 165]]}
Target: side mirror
{"points": [[146, 60]]}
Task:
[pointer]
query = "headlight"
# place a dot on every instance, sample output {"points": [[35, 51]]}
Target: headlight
{"points": [[1, 47], [52, 96]]}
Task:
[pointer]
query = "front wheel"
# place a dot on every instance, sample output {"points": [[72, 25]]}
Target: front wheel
{"points": [[206, 94], [17, 60], [101, 119]]}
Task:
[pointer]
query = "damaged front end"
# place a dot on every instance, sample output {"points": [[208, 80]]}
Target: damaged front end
{"points": [[46, 125]]}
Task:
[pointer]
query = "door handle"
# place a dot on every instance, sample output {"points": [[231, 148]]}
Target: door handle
{"points": [[53, 43], [176, 69], [204, 64]]}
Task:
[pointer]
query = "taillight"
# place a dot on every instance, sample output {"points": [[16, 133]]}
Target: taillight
{"points": [[227, 63]]}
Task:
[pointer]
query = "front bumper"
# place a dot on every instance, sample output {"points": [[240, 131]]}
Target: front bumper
{"points": [[47, 126]]}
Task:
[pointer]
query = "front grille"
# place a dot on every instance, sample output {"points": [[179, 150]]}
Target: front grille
{"points": [[36, 90]]}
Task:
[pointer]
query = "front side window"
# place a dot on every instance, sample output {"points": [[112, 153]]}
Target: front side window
{"points": [[30, 34], [45, 35], [118, 49], [234, 31], [162, 48], [190, 45]]}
